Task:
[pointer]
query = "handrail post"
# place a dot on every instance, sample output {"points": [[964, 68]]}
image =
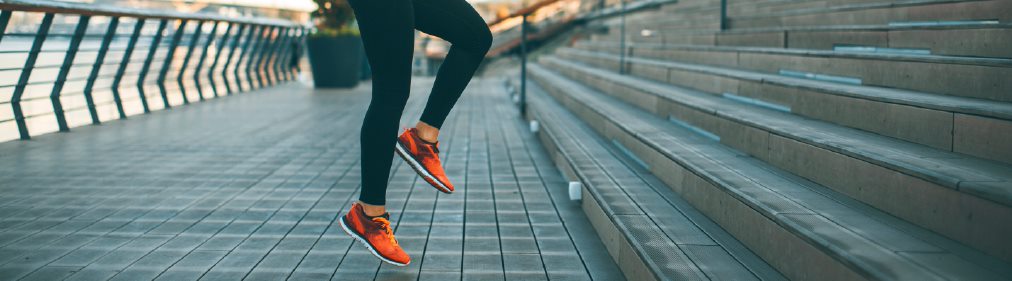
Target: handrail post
{"points": [[268, 56], [523, 65], [203, 57], [61, 77], [265, 49], [303, 32], [26, 73], [268, 63], [118, 78], [167, 64], [621, 58], [286, 44], [723, 14], [5, 17], [96, 68], [186, 60], [147, 63], [282, 49], [228, 60], [244, 53], [254, 56], [220, 48]]}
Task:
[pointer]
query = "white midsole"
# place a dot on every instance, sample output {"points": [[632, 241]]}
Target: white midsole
{"points": [[367, 246], [418, 167]]}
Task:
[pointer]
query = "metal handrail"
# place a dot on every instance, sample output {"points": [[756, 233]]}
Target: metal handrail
{"points": [[600, 12], [44, 6], [184, 53]]}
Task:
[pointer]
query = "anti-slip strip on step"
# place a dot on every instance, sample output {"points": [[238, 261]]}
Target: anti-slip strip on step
{"points": [[835, 27], [887, 54], [694, 129], [820, 77], [880, 50], [943, 23], [630, 154], [757, 102]]}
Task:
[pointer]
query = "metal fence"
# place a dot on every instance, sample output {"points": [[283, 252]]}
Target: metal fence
{"points": [[64, 65]]}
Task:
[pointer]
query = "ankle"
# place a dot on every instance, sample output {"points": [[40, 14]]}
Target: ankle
{"points": [[373, 210], [427, 132]]}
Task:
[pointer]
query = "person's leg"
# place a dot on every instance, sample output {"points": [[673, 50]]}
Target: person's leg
{"points": [[458, 23], [469, 36], [387, 30]]}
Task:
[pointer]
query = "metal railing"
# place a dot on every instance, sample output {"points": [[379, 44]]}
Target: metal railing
{"points": [[600, 12], [112, 62]]}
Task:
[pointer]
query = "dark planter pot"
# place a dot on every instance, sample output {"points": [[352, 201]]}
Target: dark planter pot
{"points": [[336, 61]]}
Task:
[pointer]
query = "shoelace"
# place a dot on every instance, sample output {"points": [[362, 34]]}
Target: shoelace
{"points": [[385, 226]]}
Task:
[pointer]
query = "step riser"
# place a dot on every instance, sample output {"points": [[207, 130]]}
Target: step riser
{"points": [[977, 222], [944, 130], [973, 81], [790, 254]]}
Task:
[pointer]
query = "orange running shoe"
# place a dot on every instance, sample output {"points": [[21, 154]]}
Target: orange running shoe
{"points": [[375, 234], [424, 158]]}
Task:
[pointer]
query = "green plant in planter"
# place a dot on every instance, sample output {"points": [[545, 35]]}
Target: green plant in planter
{"points": [[335, 48], [333, 18]]}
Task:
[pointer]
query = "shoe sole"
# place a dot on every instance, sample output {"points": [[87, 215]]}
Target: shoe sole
{"points": [[420, 170], [367, 245]]}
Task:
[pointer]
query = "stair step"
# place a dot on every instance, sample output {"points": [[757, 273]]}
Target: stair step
{"points": [[962, 197], [985, 40], [850, 5], [803, 229], [881, 13], [650, 232], [840, 52], [965, 125]]}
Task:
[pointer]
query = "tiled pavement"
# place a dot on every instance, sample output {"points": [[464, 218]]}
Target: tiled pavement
{"points": [[248, 187]]}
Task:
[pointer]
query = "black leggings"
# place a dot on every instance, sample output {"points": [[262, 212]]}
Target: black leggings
{"points": [[388, 33]]}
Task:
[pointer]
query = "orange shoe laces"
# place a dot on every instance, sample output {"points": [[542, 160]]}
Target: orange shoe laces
{"points": [[385, 226]]}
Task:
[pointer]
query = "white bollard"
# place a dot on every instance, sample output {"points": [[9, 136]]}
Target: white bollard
{"points": [[516, 98], [575, 190], [535, 126]]}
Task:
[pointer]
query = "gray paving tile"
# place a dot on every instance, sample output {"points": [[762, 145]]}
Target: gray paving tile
{"points": [[220, 191]]}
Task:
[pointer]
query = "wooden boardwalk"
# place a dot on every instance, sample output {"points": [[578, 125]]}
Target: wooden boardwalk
{"points": [[248, 187]]}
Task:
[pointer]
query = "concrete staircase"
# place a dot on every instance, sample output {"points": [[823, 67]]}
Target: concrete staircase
{"points": [[836, 160]]}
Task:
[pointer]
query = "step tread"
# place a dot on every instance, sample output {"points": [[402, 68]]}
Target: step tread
{"points": [[674, 241], [988, 108], [941, 59], [857, 235], [984, 178]]}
